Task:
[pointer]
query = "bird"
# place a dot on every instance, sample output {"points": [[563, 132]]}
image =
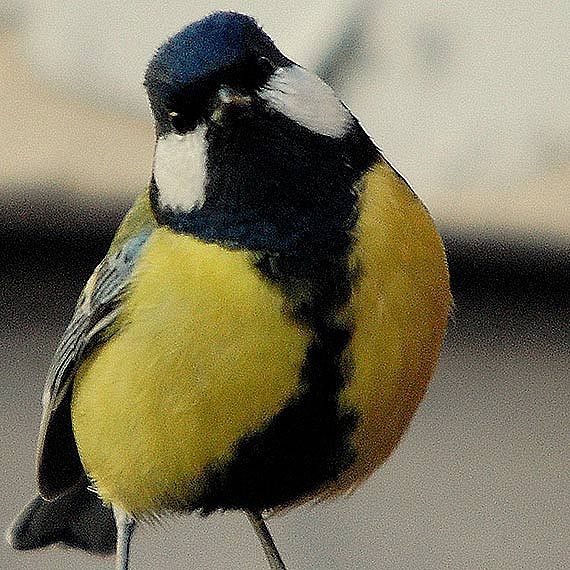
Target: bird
{"points": [[265, 323]]}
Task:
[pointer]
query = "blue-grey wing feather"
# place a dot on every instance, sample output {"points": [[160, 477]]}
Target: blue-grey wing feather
{"points": [[94, 319]]}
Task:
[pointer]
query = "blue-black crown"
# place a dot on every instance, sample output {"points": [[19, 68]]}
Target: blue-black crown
{"points": [[203, 48]]}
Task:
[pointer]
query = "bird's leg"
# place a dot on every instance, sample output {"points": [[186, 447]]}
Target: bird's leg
{"points": [[125, 529], [264, 536]]}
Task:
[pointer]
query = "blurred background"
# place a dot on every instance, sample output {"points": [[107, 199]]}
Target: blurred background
{"points": [[469, 100]]}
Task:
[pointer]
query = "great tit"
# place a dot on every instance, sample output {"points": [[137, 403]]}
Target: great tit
{"points": [[266, 320]]}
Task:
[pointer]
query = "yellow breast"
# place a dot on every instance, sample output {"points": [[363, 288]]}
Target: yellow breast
{"points": [[400, 309], [205, 354]]}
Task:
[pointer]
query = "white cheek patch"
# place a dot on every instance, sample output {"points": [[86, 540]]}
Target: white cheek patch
{"points": [[307, 100], [180, 170]]}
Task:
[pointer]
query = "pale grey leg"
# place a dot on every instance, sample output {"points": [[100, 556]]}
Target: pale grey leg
{"points": [[125, 529], [264, 536]]}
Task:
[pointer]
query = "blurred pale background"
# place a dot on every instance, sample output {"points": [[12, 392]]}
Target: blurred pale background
{"points": [[470, 101]]}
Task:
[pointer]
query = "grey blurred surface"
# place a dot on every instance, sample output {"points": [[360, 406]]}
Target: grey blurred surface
{"points": [[480, 481]]}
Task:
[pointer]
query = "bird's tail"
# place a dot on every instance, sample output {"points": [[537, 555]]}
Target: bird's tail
{"points": [[78, 519]]}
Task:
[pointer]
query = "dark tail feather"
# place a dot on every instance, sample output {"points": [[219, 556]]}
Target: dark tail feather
{"points": [[78, 519]]}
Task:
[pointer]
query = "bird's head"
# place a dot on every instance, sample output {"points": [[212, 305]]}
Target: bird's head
{"points": [[240, 130], [225, 62]]}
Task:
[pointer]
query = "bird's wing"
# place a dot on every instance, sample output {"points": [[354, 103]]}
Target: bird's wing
{"points": [[94, 321]]}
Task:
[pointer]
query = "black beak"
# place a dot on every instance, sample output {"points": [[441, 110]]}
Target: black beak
{"points": [[227, 99]]}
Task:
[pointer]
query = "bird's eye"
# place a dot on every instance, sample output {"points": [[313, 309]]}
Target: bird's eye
{"points": [[176, 120]]}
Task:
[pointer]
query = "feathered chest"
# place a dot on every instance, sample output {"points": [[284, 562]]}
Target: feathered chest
{"points": [[211, 345]]}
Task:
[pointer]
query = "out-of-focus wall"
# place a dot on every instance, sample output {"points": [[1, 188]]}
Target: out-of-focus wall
{"points": [[468, 99]]}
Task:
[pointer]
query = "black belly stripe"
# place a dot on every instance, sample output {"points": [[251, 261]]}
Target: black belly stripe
{"points": [[289, 197], [306, 444]]}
